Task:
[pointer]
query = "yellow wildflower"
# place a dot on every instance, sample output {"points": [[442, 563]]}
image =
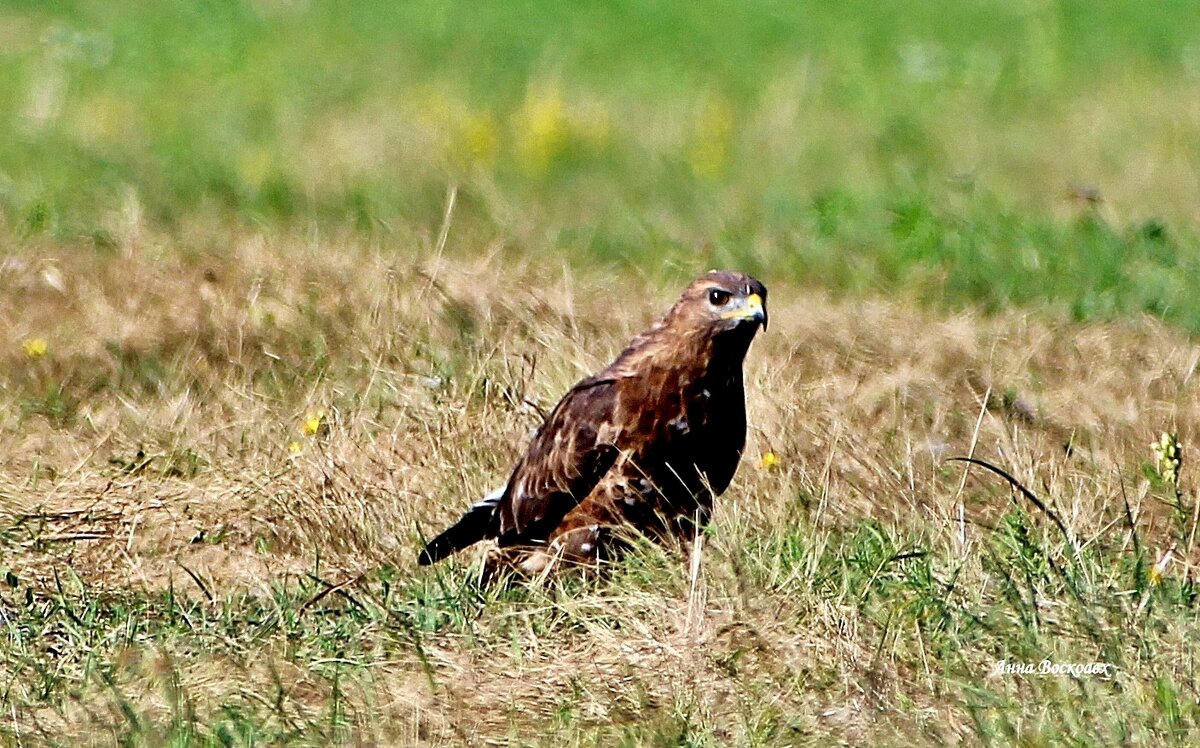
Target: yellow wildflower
{"points": [[768, 461], [540, 128], [313, 423], [35, 347], [1168, 456], [294, 447], [1160, 568]]}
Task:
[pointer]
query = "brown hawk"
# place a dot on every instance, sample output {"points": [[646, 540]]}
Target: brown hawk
{"points": [[641, 447]]}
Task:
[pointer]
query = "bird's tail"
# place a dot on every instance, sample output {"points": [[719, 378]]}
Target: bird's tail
{"points": [[470, 529]]}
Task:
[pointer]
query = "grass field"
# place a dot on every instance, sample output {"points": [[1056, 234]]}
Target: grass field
{"points": [[282, 282]]}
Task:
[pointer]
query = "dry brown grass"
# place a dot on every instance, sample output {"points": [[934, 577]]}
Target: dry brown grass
{"points": [[207, 363]]}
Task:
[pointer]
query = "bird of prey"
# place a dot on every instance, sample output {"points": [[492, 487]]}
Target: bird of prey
{"points": [[642, 447]]}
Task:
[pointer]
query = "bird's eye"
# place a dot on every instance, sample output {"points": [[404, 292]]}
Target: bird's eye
{"points": [[717, 297]]}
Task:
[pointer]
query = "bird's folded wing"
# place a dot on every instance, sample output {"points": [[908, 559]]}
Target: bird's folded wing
{"points": [[568, 456]]}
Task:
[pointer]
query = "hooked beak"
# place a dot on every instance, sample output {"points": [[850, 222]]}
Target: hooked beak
{"points": [[751, 309]]}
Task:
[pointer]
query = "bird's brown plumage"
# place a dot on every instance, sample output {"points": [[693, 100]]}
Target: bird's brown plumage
{"points": [[643, 446]]}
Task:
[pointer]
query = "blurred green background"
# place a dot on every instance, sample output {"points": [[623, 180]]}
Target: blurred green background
{"points": [[964, 153]]}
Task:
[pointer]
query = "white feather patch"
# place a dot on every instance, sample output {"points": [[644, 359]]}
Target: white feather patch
{"points": [[492, 499]]}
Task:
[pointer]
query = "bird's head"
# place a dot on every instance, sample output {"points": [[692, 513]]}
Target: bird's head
{"points": [[712, 324], [725, 302]]}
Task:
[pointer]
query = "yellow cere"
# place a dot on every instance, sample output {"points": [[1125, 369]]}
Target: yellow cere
{"points": [[35, 347], [753, 306]]}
